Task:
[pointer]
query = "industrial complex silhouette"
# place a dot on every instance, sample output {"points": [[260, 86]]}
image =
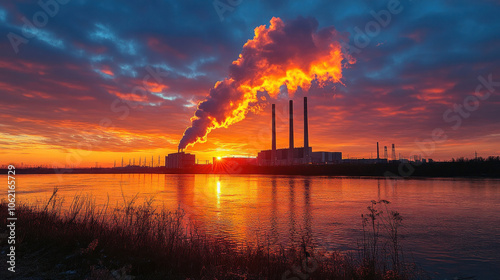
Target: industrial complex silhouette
{"points": [[290, 156]]}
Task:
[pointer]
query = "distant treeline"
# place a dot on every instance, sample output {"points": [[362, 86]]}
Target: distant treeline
{"points": [[460, 167], [480, 159]]}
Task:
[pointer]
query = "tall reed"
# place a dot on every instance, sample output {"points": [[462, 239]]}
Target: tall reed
{"points": [[139, 240]]}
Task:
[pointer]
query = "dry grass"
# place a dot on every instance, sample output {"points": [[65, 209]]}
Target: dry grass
{"points": [[138, 241]]}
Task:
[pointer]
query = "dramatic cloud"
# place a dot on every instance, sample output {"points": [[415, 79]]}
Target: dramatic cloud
{"points": [[291, 54], [85, 65]]}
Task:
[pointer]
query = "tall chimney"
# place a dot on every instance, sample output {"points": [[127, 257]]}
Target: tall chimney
{"points": [[273, 144], [306, 133], [385, 152], [393, 152], [290, 150], [378, 152]]}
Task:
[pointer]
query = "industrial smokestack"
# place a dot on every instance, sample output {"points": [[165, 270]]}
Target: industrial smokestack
{"points": [[385, 152], [306, 132], [378, 152], [393, 152], [265, 63], [290, 151], [273, 144]]}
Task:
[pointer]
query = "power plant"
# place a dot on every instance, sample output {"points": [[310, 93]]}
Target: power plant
{"points": [[180, 160], [282, 157], [293, 155]]}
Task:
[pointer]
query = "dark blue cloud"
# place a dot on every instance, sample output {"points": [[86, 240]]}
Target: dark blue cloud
{"points": [[430, 45]]}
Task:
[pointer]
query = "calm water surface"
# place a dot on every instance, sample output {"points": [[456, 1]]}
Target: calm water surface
{"points": [[451, 226]]}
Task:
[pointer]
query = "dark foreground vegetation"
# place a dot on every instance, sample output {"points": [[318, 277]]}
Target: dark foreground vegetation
{"points": [[138, 241]]}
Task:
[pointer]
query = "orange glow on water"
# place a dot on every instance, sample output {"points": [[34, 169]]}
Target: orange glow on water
{"points": [[282, 209]]}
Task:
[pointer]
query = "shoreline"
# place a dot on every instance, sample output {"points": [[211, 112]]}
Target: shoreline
{"points": [[395, 170]]}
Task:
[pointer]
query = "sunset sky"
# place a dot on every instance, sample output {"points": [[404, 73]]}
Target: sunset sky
{"points": [[73, 92]]}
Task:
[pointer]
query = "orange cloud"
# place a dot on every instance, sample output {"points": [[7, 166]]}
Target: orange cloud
{"points": [[292, 54]]}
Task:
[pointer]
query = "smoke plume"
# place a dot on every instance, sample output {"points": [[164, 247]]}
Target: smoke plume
{"points": [[293, 54]]}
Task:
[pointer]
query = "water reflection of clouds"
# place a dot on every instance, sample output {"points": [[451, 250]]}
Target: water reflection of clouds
{"points": [[279, 209]]}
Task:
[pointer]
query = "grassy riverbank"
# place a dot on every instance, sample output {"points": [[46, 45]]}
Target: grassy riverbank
{"points": [[138, 241]]}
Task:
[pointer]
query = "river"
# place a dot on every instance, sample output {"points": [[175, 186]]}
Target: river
{"points": [[451, 227]]}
